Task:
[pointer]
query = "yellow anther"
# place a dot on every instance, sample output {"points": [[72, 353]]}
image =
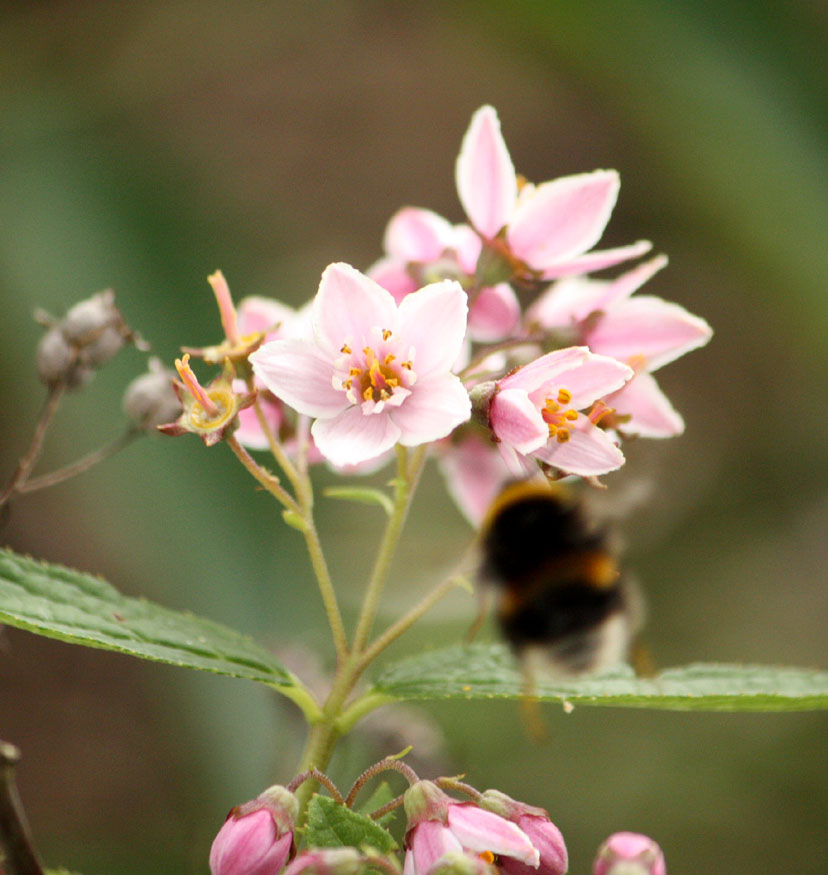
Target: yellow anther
{"points": [[564, 396], [551, 406], [355, 372], [368, 394], [389, 358], [347, 384], [487, 856], [562, 436], [406, 365], [385, 334], [345, 349], [553, 430], [571, 415]]}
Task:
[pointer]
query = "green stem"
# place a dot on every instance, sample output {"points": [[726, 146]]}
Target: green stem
{"points": [[361, 707], [406, 622], [81, 465], [269, 481], [408, 476], [276, 449]]}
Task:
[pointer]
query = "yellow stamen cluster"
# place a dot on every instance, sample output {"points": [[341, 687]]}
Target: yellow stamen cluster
{"points": [[557, 417]]}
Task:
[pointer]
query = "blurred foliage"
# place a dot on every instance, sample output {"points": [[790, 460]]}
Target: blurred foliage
{"points": [[144, 145]]}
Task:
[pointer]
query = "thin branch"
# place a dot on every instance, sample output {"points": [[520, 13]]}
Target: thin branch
{"points": [[14, 832]]}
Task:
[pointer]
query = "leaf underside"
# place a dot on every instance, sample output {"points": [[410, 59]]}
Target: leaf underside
{"points": [[490, 671], [331, 825], [78, 608]]}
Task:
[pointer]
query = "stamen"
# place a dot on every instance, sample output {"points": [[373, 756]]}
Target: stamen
{"points": [[562, 436], [564, 396], [385, 334], [487, 856], [599, 411], [227, 311], [389, 358], [355, 372], [345, 349], [571, 415], [407, 365], [190, 380]]}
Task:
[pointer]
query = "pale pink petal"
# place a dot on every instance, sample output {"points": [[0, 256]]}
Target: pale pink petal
{"points": [[495, 314], [588, 453], [352, 437], [480, 830], [260, 315], [567, 302], [415, 234], [430, 841], [347, 305], [647, 326], [486, 182], [392, 275], [597, 260], [466, 245], [433, 322], [300, 374], [474, 474], [596, 376], [438, 404], [542, 370], [516, 421], [515, 463], [563, 218], [650, 411], [623, 286]]}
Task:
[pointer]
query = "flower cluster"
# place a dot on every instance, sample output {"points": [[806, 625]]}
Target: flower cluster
{"points": [[489, 835], [487, 339]]}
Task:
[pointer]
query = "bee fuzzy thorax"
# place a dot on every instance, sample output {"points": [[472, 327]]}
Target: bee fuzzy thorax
{"points": [[562, 600]]}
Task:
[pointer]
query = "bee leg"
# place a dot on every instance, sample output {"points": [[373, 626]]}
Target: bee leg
{"points": [[530, 710], [483, 605], [641, 660]]}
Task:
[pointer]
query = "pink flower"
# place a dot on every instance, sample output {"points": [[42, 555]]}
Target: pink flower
{"points": [[422, 247], [537, 410], [644, 332], [548, 227], [375, 373], [439, 825], [629, 853], [257, 837]]}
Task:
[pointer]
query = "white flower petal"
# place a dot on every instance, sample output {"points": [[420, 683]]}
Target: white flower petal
{"points": [[352, 437], [433, 321], [436, 406]]}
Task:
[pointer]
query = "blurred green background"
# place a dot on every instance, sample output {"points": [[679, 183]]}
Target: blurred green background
{"points": [[143, 145]]}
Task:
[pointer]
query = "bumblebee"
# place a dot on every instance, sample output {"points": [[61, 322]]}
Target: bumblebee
{"points": [[562, 600]]}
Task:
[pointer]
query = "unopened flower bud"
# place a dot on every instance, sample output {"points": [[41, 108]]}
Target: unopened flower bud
{"points": [[535, 822], [257, 837], [150, 400], [57, 361], [95, 326], [328, 861], [629, 853]]}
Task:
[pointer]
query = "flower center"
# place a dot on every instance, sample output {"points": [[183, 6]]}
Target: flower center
{"points": [[557, 416], [374, 374]]}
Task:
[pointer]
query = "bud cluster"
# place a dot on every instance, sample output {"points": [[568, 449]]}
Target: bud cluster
{"points": [[87, 337], [488, 833]]}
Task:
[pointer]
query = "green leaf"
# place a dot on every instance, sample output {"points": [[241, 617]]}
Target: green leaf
{"points": [[331, 825], [78, 608], [363, 495], [489, 671]]}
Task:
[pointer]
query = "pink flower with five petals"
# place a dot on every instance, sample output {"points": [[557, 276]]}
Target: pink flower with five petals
{"points": [[549, 227], [375, 374], [644, 332], [537, 411]]}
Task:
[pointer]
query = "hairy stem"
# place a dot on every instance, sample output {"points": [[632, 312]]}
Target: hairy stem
{"points": [[25, 465]]}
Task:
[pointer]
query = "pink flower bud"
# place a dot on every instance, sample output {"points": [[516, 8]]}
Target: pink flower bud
{"points": [[535, 822], [257, 837], [629, 853], [328, 861], [439, 825]]}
